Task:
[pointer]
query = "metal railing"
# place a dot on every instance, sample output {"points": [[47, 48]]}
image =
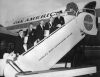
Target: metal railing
{"points": [[14, 65], [77, 13], [48, 36]]}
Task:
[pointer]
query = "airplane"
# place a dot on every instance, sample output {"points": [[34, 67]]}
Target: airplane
{"points": [[42, 57], [23, 23]]}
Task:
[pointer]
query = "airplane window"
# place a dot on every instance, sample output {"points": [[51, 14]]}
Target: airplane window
{"points": [[21, 21], [31, 18], [27, 19], [17, 21]]}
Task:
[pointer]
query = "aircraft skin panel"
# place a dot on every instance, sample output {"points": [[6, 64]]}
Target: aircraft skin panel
{"points": [[64, 47]]}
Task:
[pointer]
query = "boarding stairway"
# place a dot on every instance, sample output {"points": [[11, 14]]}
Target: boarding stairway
{"points": [[51, 49]]}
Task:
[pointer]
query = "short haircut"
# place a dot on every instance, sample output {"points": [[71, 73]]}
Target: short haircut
{"points": [[59, 12], [31, 23], [20, 30], [51, 16]]}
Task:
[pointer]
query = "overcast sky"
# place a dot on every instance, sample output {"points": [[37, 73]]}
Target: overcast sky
{"points": [[11, 9]]}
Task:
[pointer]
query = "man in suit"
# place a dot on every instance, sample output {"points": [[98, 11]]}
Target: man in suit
{"points": [[49, 25], [58, 21], [19, 41], [31, 34], [40, 31]]}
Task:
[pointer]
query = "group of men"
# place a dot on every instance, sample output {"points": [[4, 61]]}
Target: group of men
{"points": [[33, 34]]}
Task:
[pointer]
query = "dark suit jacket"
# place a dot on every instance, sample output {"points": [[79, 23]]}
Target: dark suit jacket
{"points": [[59, 21], [31, 37], [39, 32], [19, 45], [49, 27]]}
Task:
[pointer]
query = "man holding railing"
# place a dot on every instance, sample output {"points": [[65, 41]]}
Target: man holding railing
{"points": [[59, 20], [49, 26], [40, 31]]}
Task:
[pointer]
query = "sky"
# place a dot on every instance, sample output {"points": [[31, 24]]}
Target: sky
{"points": [[12, 9]]}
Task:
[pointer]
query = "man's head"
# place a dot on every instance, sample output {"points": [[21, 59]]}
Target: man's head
{"points": [[41, 23], [30, 26], [58, 13], [51, 19], [21, 33]]}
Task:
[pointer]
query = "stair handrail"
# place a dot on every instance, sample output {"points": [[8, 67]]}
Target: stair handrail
{"points": [[47, 37]]}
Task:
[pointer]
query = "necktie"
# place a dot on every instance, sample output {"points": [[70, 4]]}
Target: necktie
{"points": [[50, 25]]}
